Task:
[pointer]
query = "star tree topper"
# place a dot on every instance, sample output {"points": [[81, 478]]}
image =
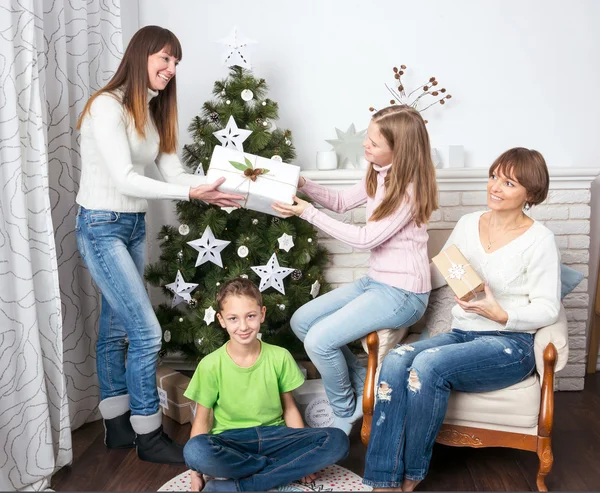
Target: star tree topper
{"points": [[232, 136], [181, 290], [236, 49], [271, 275], [348, 145], [209, 247]]}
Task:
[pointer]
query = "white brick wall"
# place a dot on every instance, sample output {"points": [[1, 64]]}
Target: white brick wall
{"points": [[565, 212]]}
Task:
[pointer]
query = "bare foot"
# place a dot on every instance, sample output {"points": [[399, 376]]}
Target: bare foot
{"points": [[409, 484], [387, 489]]}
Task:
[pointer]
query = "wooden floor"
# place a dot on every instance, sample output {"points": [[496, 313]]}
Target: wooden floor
{"points": [[576, 457]]}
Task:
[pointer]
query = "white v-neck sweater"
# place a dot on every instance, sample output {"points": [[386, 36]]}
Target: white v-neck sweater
{"points": [[524, 277], [114, 156]]}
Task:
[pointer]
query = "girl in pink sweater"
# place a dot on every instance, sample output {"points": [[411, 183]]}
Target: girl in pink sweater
{"points": [[401, 193]]}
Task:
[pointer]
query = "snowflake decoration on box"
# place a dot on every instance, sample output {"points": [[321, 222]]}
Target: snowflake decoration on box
{"points": [[457, 271]]}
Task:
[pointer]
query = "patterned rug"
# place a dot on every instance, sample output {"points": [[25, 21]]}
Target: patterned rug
{"points": [[333, 478]]}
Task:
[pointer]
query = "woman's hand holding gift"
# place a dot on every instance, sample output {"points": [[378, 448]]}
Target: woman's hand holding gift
{"points": [[487, 307]]}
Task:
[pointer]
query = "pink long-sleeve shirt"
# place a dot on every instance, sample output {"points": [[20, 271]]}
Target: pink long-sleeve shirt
{"points": [[398, 246]]}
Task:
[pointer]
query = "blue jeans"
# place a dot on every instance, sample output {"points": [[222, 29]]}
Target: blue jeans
{"points": [[265, 457], [413, 389], [113, 247], [329, 322]]}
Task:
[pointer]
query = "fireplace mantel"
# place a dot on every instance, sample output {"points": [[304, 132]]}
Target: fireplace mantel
{"points": [[467, 179]]}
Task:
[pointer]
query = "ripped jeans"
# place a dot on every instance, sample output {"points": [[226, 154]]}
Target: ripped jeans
{"points": [[413, 389]]}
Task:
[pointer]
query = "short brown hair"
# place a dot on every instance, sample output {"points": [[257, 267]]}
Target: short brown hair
{"points": [[238, 287], [528, 167]]}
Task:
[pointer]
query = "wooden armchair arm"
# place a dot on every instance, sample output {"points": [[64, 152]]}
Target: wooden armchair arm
{"points": [[368, 402], [546, 416]]}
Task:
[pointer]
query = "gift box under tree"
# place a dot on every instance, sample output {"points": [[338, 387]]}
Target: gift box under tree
{"points": [[171, 385], [261, 181]]}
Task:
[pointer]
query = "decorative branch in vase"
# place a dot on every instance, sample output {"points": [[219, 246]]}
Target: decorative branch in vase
{"points": [[422, 94]]}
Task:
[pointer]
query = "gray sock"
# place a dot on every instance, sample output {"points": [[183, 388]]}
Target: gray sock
{"points": [[112, 407], [146, 424]]}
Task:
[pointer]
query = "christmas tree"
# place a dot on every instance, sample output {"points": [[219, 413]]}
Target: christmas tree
{"points": [[188, 322]]}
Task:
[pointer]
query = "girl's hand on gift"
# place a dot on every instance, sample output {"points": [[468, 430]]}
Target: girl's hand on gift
{"points": [[301, 182], [197, 481], [210, 194], [487, 307], [296, 209]]}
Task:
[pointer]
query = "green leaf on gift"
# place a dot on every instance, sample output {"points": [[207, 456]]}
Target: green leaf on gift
{"points": [[248, 162], [265, 171], [240, 166]]}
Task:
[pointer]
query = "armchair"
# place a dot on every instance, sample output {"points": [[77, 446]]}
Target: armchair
{"points": [[519, 416]]}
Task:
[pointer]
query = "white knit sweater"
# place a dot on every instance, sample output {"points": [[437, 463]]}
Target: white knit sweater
{"points": [[114, 156], [524, 277]]}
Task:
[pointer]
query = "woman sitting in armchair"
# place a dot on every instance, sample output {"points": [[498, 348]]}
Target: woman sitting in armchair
{"points": [[490, 346]]}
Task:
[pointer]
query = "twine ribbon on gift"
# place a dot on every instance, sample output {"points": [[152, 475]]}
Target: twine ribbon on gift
{"points": [[252, 174], [457, 271]]}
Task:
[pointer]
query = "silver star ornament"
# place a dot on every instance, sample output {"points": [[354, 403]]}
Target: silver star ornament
{"points": [[272, 275], [232, 136], [209, 248], [286, 242], [209, 315], [181, 290]]}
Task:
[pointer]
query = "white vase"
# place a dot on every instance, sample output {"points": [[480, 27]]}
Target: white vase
{"points": [[326, 160], [453, 156]]}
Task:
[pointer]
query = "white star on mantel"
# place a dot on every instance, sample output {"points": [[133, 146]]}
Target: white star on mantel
{"points": [[348, 145], [209, 247], [286, 242], [209, 315], [236, 49], [181, 290], [272, 275], [231, 136]]}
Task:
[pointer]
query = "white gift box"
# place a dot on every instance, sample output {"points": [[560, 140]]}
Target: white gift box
{"points": [[277, 184], [313, 404]]}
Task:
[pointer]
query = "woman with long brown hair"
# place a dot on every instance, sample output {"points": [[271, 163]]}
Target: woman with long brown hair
{"points": [[126, 126], [401, 193]]}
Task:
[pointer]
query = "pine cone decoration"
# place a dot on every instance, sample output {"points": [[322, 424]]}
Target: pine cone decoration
{"points": [[297, 275]]}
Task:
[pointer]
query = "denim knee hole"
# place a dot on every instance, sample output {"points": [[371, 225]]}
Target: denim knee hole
{"points": [[414, 384], [384, 392], [403, 349]]}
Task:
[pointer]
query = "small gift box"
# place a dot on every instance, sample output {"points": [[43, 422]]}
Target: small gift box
{"points": [[171, 385], [261, 181], [459, 274]]}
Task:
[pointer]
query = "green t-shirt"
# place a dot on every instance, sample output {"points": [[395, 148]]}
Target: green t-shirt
{"points": [[245, 397]]}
